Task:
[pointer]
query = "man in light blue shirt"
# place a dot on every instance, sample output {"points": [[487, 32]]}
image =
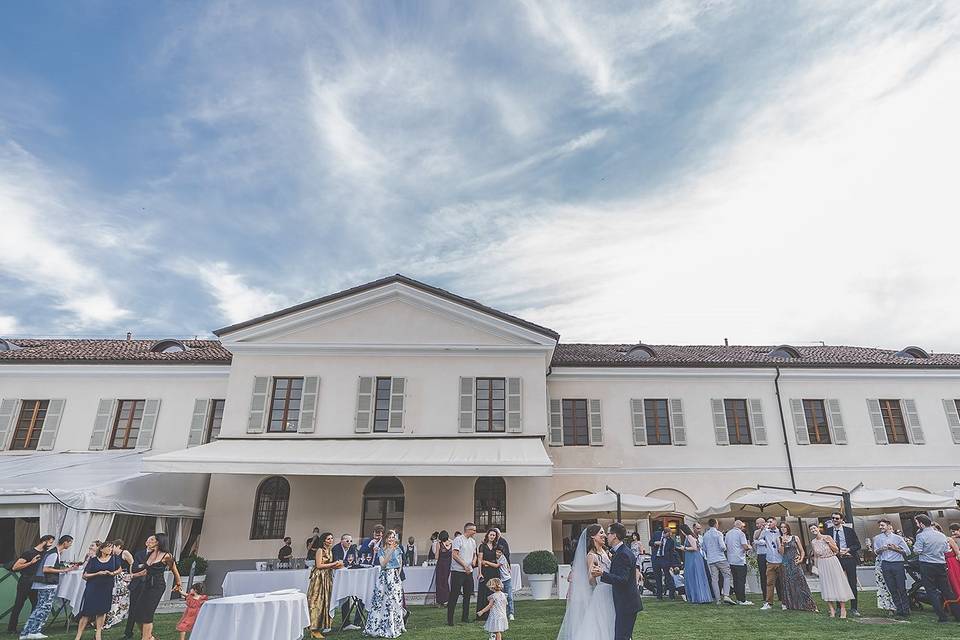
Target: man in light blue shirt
{"points": [[931, 545], [771, 536], [891, 551], [715, 550], [737, 547]]}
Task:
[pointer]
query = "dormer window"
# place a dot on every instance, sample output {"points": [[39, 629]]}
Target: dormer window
{"points": [[913, 352], [784, 351], [6, 345], [168, 346], [641, 352]]}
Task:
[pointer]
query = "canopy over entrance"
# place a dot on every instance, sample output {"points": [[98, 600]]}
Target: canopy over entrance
{"points": [[868, 502], [435, 457], [775, 503], [604, 505]]}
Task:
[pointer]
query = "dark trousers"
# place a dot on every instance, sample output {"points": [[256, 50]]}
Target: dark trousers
{"points": [[24, 593], [849, 565], [895, 576], [663, 578], [136, 588], [623, 626], [762, 570], [460, 582], [739, 581], [934, 577]]}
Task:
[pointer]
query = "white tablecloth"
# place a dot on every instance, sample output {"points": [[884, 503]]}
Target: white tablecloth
{"points": [[357, 583], [421, 579], [71, 588], [238, 583], [246, 617]]}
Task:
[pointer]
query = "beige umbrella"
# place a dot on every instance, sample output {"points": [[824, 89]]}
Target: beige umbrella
{"points": [[603, 505], [867, 502], [775, 503]]}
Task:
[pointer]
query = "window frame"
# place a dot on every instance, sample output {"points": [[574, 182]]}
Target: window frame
{"points": [[377, 399], [485, 505], [734, 436], [886, 411], [809, 415], [285, 418], [273, 515], [490, 409], [656, 439], [33, 429], [574, 427], [141, 403], [211, 417]]}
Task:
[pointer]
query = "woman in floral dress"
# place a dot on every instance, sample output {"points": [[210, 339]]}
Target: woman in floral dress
{"points": [[121, 587], [321, 587], [385, 619]]}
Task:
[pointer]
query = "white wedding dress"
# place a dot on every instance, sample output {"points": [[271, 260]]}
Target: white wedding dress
{"points": [[590, 613]]}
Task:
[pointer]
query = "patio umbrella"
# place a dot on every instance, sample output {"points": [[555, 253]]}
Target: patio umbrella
{"points": [[775, 503], [869, 502], [604, 505]]}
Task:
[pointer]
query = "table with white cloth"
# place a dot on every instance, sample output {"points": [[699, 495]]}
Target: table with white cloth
{"points": [[277, 616], [353, 583], [237, 583], [423, 579], [71, 587]]}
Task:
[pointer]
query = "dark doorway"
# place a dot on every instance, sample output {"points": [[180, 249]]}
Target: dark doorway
{"points": [[383, 505]]}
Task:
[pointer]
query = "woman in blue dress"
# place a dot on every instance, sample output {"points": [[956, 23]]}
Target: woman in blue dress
{"points": [[385, 619], [696, 583], [98, 592]]}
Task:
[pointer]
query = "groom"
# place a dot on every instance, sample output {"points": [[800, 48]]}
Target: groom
{"points": [[626, 595]]}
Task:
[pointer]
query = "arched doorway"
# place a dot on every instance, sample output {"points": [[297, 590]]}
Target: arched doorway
{"points": [[382, 504]]}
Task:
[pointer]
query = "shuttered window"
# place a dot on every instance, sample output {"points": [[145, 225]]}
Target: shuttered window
{"points": [[285, 405], [575, 427], [491, 405], [381, 415], [893, 422], [29, 424], [270, 509], [818, 429], [214, 420], [126, 425], [656, 414], [738, 424]]}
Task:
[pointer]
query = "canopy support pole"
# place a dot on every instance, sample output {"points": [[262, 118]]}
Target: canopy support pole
{"points": [[619, 503]]}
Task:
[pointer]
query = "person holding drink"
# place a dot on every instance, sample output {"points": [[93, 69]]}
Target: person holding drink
{"points": [[321, 587], [387, 612], [158, 560], [99, 574]]}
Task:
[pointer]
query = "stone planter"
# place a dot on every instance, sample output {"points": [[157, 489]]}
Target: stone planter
{"points": [[541, 584]]}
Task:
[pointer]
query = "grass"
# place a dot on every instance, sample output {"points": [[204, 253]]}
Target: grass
{"points": [[673, 620]]}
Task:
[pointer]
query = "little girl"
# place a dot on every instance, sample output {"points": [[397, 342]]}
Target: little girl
{"points": [[195, 600], [497, 607]]}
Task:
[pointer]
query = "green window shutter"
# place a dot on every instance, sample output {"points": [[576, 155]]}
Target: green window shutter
{"points": [[467, 406], [678, 425], [258, 404], [556, 423], [838, 432], [637, 422], [398, 390], [198, 422], [308, 404], [913, 421], [514, 405], [148, 423], [51, 424], [106, 411], [799, 421], [8, 417], [719, 422], [876, 422], [595, 423]]}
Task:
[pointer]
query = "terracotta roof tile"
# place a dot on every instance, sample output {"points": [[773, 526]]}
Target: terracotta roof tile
{"points": [[79, 351]]}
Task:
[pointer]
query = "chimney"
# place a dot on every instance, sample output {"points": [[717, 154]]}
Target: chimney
{"points": [[726, 342], [129, 336]]}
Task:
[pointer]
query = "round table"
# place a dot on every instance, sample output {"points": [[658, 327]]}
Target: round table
{"points": [[247, 617], [238, 583], [353, 583], [71, 587]]}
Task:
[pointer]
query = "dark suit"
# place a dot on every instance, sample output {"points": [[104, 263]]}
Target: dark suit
{"points": [[339, 554], [849, 563], [626, 595], [663, 558], [136, 588]]}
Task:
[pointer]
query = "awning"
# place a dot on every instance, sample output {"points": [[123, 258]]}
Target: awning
{"points": [[775, 503], [878, 501], [604, 505], [401, 456], [107, 481]]}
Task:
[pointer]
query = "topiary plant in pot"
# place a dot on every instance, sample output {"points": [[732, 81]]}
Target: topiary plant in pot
{"points": [[541, 569]]}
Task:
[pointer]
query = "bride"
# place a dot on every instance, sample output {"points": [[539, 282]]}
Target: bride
{"points": [[590, 612]]}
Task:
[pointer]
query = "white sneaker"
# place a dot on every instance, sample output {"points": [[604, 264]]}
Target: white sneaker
{"points": [[511, 617], [765, 607], [351, 627], [746, 603], [784, 607], [729, 600]]}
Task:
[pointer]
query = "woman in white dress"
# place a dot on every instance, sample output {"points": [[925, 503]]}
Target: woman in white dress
{"points": [[590, 612]]}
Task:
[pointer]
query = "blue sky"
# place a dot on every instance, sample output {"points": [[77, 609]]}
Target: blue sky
{"points": [[660, 171]]}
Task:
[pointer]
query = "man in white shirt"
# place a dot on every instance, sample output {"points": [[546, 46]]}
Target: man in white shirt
{"points": [[464, 559], [892, 551], [715, 551], [737, 547], [760, 546]]}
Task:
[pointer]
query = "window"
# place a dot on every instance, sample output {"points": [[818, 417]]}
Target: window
{"points": [[270, 509], [817, 428], [285, 405], [575, 428], [383, 504], [893, 422], [215, 419], [27, 432], [658, 423], [490, 504], [126, 426], [738, 426], [491, 405], [381, 416]]}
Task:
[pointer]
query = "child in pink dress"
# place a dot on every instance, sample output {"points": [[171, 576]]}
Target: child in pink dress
{"points": [[195, 600]]}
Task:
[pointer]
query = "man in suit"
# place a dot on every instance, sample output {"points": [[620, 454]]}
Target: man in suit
{"points": [[136, 589], [849, 555], [622, 577], [663, 554], [346, 552]]}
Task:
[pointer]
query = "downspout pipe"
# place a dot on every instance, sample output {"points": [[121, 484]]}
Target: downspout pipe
{"points": [[783, 427]]}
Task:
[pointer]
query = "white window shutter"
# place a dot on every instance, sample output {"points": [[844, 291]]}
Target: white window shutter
{"points": [[678, 424], [838, 432], [637, 421], [51, 424], [799, 421], [467, 405], [363, 422], [198, 422], [913, 421], [258, 404], [398, 390], [757, 424], [556, 423], [595, 423], [719, 422], [106, 411], [876, 422], [949, 407], [148, 423], [8, 417], [308, 404], [514, 405]]}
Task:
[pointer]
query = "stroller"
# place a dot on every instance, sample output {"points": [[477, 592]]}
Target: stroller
{"points": [[648, 583], [916, 594]]}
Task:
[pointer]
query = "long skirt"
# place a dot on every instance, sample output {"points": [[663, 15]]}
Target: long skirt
{"points": [[796, 592], [385, 619], [318, 598], [884, 599], [121, 602]]}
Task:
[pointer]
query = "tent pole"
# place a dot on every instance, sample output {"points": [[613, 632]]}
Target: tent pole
{"points": [[619, 504]]}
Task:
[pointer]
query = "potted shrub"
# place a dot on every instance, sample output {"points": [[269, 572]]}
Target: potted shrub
{"points": [[199, 572], [541, 569]]}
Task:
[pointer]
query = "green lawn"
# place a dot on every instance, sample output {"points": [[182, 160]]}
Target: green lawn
{"points": [[670, 620]]}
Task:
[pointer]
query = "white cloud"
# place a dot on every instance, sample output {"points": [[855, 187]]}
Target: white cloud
{"points": [[236, 300], [579, 143], [9, 326]]}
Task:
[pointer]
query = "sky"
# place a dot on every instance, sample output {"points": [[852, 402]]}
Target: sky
{"points": [[667, 172]]}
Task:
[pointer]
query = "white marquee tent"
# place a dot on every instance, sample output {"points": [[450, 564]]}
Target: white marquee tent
{"points": [[775, 503], [868, 501], [604, 505]]}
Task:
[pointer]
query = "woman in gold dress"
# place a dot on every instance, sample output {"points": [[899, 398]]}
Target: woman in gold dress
{"points": [[321, 587]]}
